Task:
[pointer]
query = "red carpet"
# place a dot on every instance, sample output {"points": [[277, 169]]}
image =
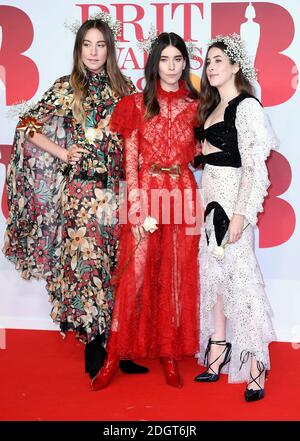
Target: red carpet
{"points": [[42, 378]]}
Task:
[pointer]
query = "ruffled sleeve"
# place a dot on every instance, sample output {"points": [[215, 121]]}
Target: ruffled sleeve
{"points": [[125, 120], [126, 116], [34, 185], [256, 139]]}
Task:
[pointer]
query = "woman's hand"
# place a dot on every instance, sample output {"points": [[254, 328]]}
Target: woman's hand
{"points": [[138, 232], [140, 161], [235, 229], [73, 154]]}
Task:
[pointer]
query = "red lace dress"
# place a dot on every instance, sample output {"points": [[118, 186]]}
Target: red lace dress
{"points": [[157, 278]]}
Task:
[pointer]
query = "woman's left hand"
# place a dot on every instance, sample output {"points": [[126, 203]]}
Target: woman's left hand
{"points": [[235, 228], [74, 154]]}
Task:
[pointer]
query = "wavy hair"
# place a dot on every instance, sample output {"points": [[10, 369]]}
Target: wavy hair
{"points": [[209, 95], [79, 78]]}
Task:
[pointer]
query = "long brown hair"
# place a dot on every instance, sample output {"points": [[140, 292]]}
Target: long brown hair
{"points": [[209, 96], [164, 40], [79, 79]]}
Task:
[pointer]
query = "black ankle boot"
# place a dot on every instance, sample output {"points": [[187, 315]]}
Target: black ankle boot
{"points": [[129, 367], [94, 355], [208, 377]]}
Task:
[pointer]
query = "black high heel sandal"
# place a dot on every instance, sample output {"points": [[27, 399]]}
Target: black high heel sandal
{"points": [[256, 394], [211, 377]]}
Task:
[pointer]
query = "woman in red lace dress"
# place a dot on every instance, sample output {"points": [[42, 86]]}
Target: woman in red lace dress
{"points": [[157, 287]]}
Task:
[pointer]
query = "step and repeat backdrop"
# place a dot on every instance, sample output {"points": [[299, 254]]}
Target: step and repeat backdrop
{"points": [[36, 48]]}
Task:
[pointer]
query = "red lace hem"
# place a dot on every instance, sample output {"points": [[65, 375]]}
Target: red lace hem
{"points": [[156, 311]]}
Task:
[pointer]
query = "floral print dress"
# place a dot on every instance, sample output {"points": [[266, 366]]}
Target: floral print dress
{"points": [[62, 223]]}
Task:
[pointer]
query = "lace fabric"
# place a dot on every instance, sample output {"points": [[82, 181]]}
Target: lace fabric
{"points": [[156, 298], [238, 280], [34, 189], [157, 284], [147, 142], [256, 139]]}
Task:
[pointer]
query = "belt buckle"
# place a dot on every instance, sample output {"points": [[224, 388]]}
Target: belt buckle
{"points": [[155, 169], [173, 171]]}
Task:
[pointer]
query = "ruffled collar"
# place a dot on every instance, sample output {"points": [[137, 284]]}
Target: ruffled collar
{"points": [[181, 92], [97, 77]]}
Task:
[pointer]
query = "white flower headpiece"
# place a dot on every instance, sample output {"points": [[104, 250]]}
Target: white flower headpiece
{"points": [[114, 25], [147, 43], [20, 108], [236, 51]]}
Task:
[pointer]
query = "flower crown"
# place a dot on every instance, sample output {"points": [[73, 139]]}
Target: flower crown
{"points": [[20, 108], [114, 25], [236, 51], [148, 43]]}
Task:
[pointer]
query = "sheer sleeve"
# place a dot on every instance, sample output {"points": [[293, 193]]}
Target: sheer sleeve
{"points": [[131, 176], [34, 185], [115, 150], [125, 117], [53, 113], [125, 120], [256, 138]]}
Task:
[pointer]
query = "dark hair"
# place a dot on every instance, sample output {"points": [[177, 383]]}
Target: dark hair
{"points": [[78, 77], [209, 95], [164, 40]]}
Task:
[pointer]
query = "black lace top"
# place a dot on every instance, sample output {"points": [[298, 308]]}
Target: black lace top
{"points": [[222, 135]]}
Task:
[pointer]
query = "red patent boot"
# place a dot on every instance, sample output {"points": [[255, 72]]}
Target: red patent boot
{"points": [[103, 378], [171, 371]]}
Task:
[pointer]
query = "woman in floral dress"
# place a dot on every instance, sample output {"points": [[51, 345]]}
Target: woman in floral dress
{"points": [[62, 185]]}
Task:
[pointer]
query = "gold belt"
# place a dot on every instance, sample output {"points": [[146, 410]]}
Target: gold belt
{"points": [[173, 171]]}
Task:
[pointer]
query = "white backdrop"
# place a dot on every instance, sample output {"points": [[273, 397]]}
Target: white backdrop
{"points": [[36, 30]]}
